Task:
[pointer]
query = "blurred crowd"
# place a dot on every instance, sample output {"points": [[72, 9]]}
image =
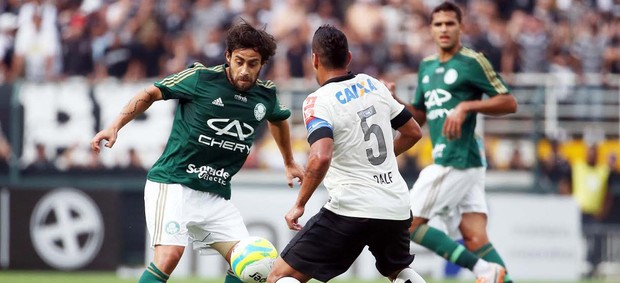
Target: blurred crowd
{"points": [[137, 40], [43, 40]]}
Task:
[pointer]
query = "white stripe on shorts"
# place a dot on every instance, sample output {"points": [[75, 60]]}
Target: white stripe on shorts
{"points": [[432, 197], [159, 213]]}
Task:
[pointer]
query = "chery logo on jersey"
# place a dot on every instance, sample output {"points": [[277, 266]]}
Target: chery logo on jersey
{"points": [[209, 173], [224, 126], [437, 98], [232, 146], [355, 91]]}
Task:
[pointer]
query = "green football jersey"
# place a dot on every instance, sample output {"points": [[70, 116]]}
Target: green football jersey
{"points": [[441, 87], [213, 129]]}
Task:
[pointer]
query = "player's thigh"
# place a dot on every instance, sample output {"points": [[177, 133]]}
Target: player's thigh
{"points": [[474, 200], [438, 190], [390, 245], [327, 246], [220, 227], [224, 248], [163, 213], [177, 215], [473, 209]]}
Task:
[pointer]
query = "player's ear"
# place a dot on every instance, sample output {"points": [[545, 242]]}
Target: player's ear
{"points": [[349, 56], [315, 61], [227, 55]]}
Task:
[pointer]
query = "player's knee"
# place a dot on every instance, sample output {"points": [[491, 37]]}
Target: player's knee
{"points": [[475, 241]]}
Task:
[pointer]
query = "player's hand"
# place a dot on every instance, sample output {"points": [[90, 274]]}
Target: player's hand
{"points": [[108, 134], [294, 171], [292, 217], [390, 85], [452, 126], [392, 88]]}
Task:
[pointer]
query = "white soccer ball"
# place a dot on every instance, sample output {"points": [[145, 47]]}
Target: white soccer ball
{"points": [[252, 258]]}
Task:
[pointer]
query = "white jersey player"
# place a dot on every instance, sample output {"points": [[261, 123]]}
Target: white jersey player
{"points": [[352, 149], [363, 179]]}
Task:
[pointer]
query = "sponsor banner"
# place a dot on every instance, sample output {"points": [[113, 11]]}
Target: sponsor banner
{"points": [[63, 228], [538, 236], [68, 108]]}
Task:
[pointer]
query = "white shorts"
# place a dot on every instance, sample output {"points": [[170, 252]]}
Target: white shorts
{"points": [[448, 192], [177, 215]]}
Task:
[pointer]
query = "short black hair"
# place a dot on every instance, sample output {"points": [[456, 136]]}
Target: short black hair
{"points": [[448, 7], [331, 46], [244, 35]]}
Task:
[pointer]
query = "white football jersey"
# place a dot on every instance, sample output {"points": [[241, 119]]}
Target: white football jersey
{"points": [[363, 179]]}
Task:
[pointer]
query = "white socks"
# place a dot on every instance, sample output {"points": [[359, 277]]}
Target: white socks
{"points": [[287, 280], [409, 275], [480, 267]]}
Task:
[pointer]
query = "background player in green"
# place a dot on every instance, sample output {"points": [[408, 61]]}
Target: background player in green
{"points": [[448, 97], [187, 190]]}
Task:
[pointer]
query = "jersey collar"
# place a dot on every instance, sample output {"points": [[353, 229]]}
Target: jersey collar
{"points": [[348, 76]]}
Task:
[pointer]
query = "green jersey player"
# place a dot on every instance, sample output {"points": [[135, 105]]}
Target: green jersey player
{"points": [[219, 110], [448, 97]]}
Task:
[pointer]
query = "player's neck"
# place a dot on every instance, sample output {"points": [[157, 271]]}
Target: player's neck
{"points": [[330, 74], [446, 55]]}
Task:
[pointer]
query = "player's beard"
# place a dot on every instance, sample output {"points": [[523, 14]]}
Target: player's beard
{"points": [[242, 83]]}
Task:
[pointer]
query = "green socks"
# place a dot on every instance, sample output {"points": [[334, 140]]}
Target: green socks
{"points": [[442, 245], [488, 253], [152, 274], [230, 278]]}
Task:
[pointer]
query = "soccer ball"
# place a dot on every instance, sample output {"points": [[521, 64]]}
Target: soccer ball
{"points": [[252, 258]]}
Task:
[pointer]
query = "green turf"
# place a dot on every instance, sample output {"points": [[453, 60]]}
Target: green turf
{"points": [[96, 277]]}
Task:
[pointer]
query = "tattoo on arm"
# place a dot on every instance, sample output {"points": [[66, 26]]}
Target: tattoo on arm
{"points": [[131, 109]]}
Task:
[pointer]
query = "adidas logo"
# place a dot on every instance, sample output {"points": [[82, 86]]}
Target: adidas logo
{"points": [[218, 102]]}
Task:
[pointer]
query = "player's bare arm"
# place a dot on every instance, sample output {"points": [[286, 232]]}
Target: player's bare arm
{"points": [[418, 115], [281, 134], [318, 163], [136, 106], [497, 105], [407, 135]]}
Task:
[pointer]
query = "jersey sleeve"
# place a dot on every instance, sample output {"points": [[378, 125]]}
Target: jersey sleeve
{"points": [[485, 79], [180, 85], [399, 115], [418, 95], [317, 119], [280, 111], [395, 107]]}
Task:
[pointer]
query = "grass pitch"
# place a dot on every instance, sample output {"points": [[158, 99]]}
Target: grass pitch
{"points": [[108, 277]]}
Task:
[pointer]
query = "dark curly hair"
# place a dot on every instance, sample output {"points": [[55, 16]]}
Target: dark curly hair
{"points": [[243, 35]]}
